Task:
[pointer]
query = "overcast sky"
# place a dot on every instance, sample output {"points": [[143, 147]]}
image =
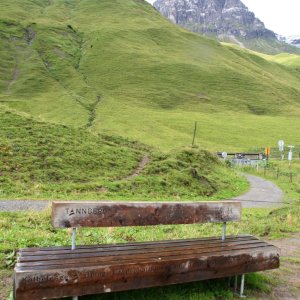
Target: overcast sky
{"points": [[283, 17]]}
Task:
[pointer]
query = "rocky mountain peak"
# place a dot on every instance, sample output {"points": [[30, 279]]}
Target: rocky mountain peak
{"points": [[227, 20]]}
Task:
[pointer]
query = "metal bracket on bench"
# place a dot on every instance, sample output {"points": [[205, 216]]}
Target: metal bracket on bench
{"points": [[73, 248], [242, 288], [74, 239], [224, 231]]}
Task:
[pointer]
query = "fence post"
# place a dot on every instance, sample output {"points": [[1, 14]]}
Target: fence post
{"points": [[194, 136]]}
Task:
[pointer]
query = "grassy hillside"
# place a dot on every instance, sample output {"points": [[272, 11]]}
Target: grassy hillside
{"points": [[290, 60], [38, 160], [270, 46], [118, 67], [285, 59]]}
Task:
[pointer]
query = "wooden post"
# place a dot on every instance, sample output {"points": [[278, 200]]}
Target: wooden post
{"points": [[194, 136]]}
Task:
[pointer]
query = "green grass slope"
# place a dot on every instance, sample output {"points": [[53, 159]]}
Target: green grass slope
{"points": [[118, 67], [270, 46], [43, 161], [290, 60]]}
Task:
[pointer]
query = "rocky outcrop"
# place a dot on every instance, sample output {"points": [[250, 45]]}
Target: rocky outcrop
{"points": [[228, 20]]}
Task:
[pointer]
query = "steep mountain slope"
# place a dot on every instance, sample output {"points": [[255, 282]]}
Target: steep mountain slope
{"points": [[119, 67], [228, 20]]}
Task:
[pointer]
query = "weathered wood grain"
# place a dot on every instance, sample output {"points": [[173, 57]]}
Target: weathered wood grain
{"points": [[114, 214], [111, 255], [33, 250], [134, 248], [125, 271]]}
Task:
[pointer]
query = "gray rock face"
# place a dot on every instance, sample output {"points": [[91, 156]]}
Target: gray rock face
{"points": [[228, 20]]}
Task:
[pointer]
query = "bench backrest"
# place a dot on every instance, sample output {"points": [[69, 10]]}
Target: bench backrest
{"points": [[115, 214]]}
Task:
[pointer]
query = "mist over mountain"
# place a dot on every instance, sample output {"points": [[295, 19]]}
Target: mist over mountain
{"points": [[227, 20], [293, 40]]}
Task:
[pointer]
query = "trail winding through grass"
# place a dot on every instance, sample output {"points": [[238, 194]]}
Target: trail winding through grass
{"points": [[262, 193], [38, 205], [140, 168]]}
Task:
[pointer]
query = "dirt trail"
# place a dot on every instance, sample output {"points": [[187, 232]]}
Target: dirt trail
{"points": [[140, 168], [14, 79], [290, 268], [287, 278], [38, 205], [16, 71]]}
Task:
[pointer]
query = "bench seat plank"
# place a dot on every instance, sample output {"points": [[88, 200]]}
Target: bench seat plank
{"points": [[94, 255], [104, 246], [102, 269], [86, 262]]}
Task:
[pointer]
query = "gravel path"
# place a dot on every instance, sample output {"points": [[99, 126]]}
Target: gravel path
{"points": [[19, 205], [262, 193]]}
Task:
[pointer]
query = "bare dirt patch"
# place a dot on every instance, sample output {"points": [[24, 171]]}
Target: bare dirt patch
{"points": [[286, 279], [289, 272], [5, 284]]}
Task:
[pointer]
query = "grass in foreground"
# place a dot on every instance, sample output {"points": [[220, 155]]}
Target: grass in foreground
{"points": [[29, 229]]}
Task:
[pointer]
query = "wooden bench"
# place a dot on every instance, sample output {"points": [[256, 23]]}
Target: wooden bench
{"points": [[56, 272]]}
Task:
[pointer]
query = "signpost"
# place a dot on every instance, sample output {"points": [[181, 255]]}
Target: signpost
{"points": [[267, 153], [224, 155], [281, 148], [290, 156]]}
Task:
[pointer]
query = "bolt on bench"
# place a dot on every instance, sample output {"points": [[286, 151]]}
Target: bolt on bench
{"points": [[56, 272]]}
